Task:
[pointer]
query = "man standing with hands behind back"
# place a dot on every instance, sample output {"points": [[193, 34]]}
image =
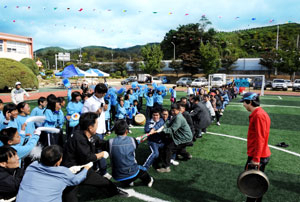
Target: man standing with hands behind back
{"points": [[258, 134], [96, 104]]}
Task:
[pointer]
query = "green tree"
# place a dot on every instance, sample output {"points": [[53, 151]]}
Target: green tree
{"points": [[176, 65], [152, 59], [269, 59], [288, 62], [209, 58], [136, 65], [191, 62], [31, 65], [120, 65], [12, 71]]}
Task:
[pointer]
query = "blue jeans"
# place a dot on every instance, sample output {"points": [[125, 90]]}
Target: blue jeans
{"points": [[154, 153], [101, 164]]}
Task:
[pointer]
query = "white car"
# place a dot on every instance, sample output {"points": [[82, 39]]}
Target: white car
{"points": [[156, 80], [296, 85], [184, 81], [199, 82], [288, 83], [279, 84]]}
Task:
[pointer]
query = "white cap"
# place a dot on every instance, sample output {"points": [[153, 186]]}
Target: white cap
{"points": [[18, 83]]}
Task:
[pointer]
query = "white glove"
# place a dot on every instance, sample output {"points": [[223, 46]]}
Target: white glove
{"points": [[37, 132], [105, 155], [75, 169], [138, 139]]}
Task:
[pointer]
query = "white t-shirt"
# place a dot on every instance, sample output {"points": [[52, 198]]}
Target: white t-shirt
{"points": [[92, 104], [210, 108]]}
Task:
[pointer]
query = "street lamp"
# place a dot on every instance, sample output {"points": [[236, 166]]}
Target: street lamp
{"points": [[174, 50]]}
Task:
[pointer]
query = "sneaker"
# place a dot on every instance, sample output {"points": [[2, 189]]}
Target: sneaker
{"points": [[221, 113], [131, 184], [130, 131], [122, 193], [174, 163], [130, 126], [218, 123], [164, 170], [151, 182], [108, 133], [107, 176]]}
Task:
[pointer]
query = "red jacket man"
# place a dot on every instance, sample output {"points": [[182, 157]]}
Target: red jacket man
{"points": [[258, 133]]}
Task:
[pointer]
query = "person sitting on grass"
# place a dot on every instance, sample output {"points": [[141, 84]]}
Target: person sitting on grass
{"points": [[81, 149], [10, 113], [10, 173], [122, 154], [11, 137], [46, 180]]}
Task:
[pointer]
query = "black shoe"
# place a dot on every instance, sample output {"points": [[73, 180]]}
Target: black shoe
{"points": [[122, 193]]}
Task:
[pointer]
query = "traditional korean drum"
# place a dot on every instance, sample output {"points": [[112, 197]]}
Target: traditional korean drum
{"points": [[140, 119]]}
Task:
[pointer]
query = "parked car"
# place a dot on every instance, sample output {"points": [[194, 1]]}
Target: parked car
{"points": [[288, 83], [129, 80], [279, 84], [184, 81], [156, 80], [296, 85], [199, 82], [268, 84]]}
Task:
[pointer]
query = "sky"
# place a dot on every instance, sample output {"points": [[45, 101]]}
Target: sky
{"points": [[124, 23]]}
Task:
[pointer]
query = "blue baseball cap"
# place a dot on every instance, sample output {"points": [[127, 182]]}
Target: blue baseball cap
{"points": [[249, 96]]}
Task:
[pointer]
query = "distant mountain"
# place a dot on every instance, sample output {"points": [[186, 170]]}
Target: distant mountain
{"points": [[134, 49]]}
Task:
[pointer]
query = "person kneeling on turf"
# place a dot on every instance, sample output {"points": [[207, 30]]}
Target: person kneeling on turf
{"points": [[45, 181], [80, 149], [122, 153]]}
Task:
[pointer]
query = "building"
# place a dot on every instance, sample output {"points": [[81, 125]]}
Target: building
{"points": [[15, 47]]}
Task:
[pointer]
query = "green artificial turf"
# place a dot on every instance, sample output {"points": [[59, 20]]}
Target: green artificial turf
{"points": [[211, 175]]}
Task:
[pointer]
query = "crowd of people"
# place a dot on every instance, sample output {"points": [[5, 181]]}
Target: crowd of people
{"points": [[31, 156]]}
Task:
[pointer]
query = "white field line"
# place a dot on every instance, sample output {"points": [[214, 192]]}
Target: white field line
{"points": [[243, 139], [143, 197], [263, 105], [279, 98]]}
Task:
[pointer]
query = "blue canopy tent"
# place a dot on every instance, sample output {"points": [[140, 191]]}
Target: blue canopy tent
{"points": [[97, 71], [69, 71]]}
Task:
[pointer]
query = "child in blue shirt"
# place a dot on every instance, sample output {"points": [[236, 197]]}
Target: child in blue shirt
{"points": [[173, 95], [121, 111], [74, 106], [122, 153], [107, 117], [149, 103], [52, 115], [39, 110], [1, 112]]}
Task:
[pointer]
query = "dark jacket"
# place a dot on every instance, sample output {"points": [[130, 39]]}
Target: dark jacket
{"points": [[10, 180], [189, 120], [122, 155], [79, 150], [201, 116], [157, 137]]}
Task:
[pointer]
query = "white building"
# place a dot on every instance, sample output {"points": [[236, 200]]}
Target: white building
{"points": [[15, 47]]}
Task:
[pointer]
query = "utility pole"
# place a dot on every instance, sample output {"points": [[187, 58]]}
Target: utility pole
{"points": [[56, 62], [277, 41], [297, 46], [80, 56], [174, 50]]}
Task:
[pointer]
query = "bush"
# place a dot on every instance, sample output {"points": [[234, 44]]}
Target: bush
{"points": [[13, 71], [31, 64]]}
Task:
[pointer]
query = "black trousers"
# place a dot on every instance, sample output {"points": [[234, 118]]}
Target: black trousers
{"points": [[143, 175], [113, 112], [263, 163], [140, 104], [148, 112], [92, 179], [170, 148], [47, 139]]}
